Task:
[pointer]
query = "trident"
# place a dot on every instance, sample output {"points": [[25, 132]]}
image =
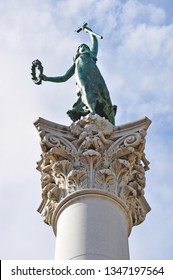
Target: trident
{"points": [[84, 27]]}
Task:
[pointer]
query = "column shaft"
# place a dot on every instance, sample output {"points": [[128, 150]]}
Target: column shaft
{"points": [[92, 227]]}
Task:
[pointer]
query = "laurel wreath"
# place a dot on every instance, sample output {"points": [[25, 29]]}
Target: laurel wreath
{"points": [[36, 65]]}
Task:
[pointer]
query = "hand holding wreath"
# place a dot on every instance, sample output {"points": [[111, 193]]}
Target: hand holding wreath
{"points": [[36, 65]]}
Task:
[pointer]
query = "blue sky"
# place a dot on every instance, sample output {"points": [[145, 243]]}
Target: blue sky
{"points": [[136, 60]]}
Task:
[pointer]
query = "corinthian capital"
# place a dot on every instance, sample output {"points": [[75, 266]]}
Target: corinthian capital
{"points": [[93, 155]]}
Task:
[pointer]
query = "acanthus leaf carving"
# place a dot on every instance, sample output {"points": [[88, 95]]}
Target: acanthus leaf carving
{"points": [[77, 180], [105, 179], [92, 158]]}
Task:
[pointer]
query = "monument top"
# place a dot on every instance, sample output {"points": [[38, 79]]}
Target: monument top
{"points": [[93, 95]]}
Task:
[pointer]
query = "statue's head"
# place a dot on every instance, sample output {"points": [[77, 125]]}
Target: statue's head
{"points": [[83, 48]]}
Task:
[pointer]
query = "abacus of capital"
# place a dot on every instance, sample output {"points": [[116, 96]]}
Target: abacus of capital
{"points": [[93, 180]]}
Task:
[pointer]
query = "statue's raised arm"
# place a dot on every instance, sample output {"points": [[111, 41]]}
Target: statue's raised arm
{"points": [[93, 35], [93, 95]]}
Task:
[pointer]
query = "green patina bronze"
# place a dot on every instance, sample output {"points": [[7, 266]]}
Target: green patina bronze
{"points": [[93, 95]]}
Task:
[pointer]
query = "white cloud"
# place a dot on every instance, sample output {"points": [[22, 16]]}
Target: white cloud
{"points": [[146, 52], [136, 12]]}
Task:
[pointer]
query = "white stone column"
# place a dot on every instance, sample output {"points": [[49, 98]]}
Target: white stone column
{"points": [[92, 226], [93, 180]]}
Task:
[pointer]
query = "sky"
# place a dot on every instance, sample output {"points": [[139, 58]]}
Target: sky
{"points": [[136, 60]]}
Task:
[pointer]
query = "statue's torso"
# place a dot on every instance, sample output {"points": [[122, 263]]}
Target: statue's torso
{"points": [[92, 86], [88, 76]]}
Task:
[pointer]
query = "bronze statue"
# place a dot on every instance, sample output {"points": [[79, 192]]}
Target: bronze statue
{"points": [[93, 95]]}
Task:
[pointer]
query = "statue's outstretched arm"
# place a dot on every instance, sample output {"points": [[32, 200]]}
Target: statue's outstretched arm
{"points": [[60, 79]]}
